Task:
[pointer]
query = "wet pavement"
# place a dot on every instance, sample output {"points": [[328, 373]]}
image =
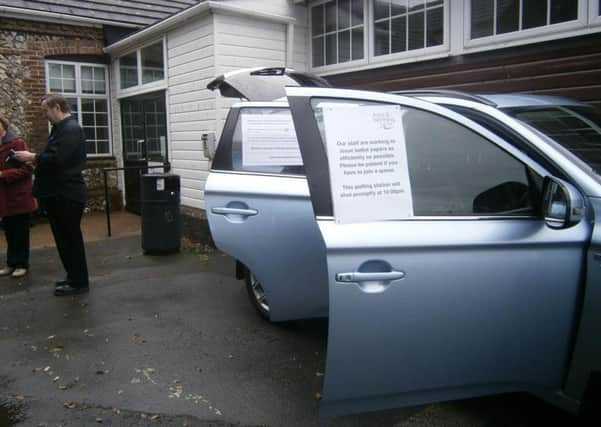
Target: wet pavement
{"points": [[172, 340]]}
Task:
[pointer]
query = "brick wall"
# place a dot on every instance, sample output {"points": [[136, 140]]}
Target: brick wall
{"points": [[24, 45]]}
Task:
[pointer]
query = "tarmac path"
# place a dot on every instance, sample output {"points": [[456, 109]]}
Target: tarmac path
{"points": [[172, 340]]}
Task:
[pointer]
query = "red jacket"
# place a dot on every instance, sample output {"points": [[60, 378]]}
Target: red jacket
{"points": [[15, 181]]}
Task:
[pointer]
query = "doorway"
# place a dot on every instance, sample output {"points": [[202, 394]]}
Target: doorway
{"points": [[144, 136]]}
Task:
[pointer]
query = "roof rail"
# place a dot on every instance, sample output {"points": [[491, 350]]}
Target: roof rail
{"points": [[446, 92]]}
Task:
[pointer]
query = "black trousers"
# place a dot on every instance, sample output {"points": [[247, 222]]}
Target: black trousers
{"points": [[64, 216], [16, 230]]}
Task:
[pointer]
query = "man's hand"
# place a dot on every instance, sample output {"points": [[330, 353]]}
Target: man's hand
{"points": [[24, 156]]}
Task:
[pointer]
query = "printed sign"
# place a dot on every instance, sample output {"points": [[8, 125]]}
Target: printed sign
{"points": [[368, 163], [269, 139]]}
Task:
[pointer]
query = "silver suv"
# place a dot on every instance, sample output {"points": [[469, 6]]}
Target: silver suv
{"points": [[449, 238]]}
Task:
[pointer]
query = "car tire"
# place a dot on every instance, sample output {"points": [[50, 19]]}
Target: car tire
{"points": [[256, 294]]}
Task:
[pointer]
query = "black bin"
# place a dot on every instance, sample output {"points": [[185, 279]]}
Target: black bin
{"points": [[161, 224]]}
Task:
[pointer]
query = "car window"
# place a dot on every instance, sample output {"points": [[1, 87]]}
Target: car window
{"points": [[454, 171], [576, 128], [264, 141]]}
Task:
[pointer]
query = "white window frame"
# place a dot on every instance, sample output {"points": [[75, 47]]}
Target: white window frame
{"points": [[530, 35], [78, 94], [142, 87], [594, 17], [340, 65], [370, 60], [408, 55]]}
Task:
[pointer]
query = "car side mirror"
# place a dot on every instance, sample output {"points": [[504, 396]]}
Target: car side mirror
{"points": [[562, 205]]}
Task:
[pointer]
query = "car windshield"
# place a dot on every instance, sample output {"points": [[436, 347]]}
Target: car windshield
{"points": [[577, 128]]}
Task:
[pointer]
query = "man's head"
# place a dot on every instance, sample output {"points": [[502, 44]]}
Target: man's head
{"points": [[56, 107]]}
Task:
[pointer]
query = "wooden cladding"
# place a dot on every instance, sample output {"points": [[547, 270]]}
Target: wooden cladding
{"points": [[570, 68]]}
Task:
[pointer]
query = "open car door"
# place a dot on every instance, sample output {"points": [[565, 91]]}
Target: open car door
{"points": [[444, 280]]}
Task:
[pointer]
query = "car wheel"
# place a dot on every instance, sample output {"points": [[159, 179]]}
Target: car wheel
{"points": [[256, 293]]}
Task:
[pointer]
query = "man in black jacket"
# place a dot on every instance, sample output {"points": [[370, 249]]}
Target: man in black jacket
{"points": [[61, 191]]}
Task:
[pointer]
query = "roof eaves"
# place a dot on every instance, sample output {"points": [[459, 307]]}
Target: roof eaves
{"points": [[173, 20], [43, 16]]}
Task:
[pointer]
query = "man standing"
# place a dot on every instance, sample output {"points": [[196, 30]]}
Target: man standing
{"points": [[61, 190]]}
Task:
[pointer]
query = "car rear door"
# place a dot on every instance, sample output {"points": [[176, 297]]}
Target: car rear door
{"points": [[260, 213], [444, 281]]}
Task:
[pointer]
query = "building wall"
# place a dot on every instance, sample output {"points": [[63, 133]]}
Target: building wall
{"points": [[24, 45], [191, 107], [570, 67]]}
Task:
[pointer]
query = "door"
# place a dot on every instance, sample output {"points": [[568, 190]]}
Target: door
{"points": [[260, 213], [444, 281], [144, 128]]}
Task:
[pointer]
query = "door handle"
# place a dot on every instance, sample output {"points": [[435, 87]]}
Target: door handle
{"points": [[370, 277], [234, 211]]}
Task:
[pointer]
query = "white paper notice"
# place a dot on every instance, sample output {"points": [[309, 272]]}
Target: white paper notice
{"points": [[269, 139], [368, 163]]}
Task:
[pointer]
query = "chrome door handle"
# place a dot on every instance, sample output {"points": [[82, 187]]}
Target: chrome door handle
{"points": [[370, 277], [234, 211]]}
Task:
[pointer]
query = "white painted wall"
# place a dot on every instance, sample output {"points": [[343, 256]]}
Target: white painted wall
{"points": [[191, 107]]}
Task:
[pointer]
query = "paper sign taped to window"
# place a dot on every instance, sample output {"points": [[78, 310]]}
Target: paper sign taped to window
{"points": [[269, 139], [367, 158], [160, 184]]}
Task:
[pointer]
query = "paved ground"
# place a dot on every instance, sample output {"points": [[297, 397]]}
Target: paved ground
{"points": [[172, 340]]}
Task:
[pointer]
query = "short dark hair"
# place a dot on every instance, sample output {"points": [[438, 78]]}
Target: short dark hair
{"points": [[53, 99], [4, 121]]}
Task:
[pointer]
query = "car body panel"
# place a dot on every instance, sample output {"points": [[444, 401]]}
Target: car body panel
{"points": [[278, 239], [482, 305]]}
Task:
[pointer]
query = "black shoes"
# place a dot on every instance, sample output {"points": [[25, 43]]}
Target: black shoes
{"points": [[65, 289]]}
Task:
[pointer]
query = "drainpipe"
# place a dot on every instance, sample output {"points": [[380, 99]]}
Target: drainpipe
{"points": [[289, 45]]}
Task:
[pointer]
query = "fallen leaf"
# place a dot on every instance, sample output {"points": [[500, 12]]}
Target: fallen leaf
{"points": [[51, 337], [155, 417], [70, 405], [56, 349], [55, 379], [135, 380], [319, 374], [62, 387], [99, 420], [47, 368], [19, 397]]}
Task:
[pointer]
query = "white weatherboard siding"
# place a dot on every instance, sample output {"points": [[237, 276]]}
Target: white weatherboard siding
{"points": [[191, 65]]}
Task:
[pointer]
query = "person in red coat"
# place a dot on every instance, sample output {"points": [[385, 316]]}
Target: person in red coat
{"points": [[16, 202]]}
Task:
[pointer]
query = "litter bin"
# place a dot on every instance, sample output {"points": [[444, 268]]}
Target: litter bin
{"points": [[161, 224]]}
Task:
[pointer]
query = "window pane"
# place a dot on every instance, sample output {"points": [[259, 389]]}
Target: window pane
{"points": [[344, 15], [90, 147], [87, 105], [563, 10], [128, 68], [434, 35], [357, 12], [56, 85], [87, 86], [152, 63], [344, 46], [416, 31], [102, 119], [399, 35], [102, 132], [69, 85], [534, 13], [99, 86], [415, 5], [482, 14], [318, 51], [90, 133], [331, 53], [69, 72], [358, 43], [87, 73], [398, 7], [101, 105], [381, 9], [508, 16], [381, 35], [54, 70], [317, 20], [87, 119], [451, 167], [103, 147], [73, 105], [331, 16]]}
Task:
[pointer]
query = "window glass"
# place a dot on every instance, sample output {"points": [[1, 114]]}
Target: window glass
{"points": [[266, 148], [152, 63], [490, 17], [577, 129], [401, 25], [128, 70], [61, 78], [85, 88], [456, 172], [337, 32]]}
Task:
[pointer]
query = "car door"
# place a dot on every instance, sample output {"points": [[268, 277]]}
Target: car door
{"points": [[260, 213], [444, 281]]}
